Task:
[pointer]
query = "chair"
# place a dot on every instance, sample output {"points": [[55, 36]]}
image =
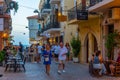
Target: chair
{"points": [[9, 63], [21, 63], [93, 72], [117, 69]]}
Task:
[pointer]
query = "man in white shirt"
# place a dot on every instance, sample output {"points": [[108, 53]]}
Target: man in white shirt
{"points": [[62, 57]]}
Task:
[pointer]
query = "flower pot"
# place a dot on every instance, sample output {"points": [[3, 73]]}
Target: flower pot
{"points": [[75, 59]]}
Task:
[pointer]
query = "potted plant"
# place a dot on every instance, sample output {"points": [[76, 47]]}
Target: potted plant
{"points": [[76, 45], [112, 40], [2, 57]]}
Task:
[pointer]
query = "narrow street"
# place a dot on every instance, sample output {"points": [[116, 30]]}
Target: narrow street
{"points": [[34, 71]]}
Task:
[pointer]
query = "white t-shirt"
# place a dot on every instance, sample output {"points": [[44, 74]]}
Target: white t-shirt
{"points": [[39, 49], [61, 52]]}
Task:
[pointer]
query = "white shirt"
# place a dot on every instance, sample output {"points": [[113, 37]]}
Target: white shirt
{"points": [[39, 49], [61, 52]]}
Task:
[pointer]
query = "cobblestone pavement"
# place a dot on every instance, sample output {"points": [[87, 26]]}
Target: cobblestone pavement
{"points": [[35, 71]]}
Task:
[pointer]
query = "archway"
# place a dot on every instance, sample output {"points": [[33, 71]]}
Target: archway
{"points": [[90, 46]]}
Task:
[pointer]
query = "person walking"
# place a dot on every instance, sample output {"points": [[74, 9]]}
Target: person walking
{"points": [[56, 52], [62, 58], [47, 54], [68, 53], [39, 52], [21, 50]]}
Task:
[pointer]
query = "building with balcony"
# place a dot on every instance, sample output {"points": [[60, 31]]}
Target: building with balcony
{"points": [[51, 28], [34, 29], [88, 19], [95, 19], [110, 12], [5, 24], [88, 28]]}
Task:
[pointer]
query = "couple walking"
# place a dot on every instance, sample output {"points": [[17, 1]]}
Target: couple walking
{"points": [[48, 55]]}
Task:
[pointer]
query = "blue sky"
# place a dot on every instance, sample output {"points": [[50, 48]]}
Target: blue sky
{"points": [[19, 21]]}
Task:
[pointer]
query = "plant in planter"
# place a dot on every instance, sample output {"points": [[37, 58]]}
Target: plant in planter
{"points": [[12, 5], [112, 40], [76, 45], [2, 56]]}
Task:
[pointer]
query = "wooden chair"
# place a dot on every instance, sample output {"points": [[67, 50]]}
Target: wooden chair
{"points": [[9, 63], [21, 63], [117, 69], [93, 72]]}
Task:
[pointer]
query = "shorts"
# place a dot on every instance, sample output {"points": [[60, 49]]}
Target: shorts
{"points": [[61, 61], [56, 55]]}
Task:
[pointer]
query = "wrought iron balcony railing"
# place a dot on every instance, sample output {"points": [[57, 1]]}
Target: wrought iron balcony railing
{"points": [[51, 25], [78, 13], [93, 2], [46, 7]]}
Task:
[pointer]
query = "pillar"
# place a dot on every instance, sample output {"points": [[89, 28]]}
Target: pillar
{"points": [[90, 44]]}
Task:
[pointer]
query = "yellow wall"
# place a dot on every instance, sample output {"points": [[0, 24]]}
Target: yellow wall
{"points": [[89, 28]]}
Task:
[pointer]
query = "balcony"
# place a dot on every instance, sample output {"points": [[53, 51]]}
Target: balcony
{"points": [[54, 1], [52, 27], [1, 10], [76, 14], [102, 5], [46, 8]]}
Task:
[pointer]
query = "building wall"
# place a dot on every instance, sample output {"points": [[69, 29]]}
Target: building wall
{"points": [[33, 29], [69, 30], [90, 34]]}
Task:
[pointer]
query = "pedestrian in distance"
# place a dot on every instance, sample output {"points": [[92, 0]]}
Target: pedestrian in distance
{"points": [[47, 54], [56, 52], [38, 51], [62, 58], [68, 53]]}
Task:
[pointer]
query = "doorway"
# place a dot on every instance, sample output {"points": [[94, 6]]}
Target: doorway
{"points": [[91, 47]]}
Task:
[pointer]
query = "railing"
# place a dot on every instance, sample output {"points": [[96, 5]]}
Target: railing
{"points": [[93, 2], [46, 5], [78, 13], [1, 10], [51, 25]]}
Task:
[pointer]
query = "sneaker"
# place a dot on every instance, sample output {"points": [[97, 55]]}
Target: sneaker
{"points": [[64, 71], [59, 72]]}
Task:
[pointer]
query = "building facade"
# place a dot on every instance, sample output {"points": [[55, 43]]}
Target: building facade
{"points": [[34, 28], [91, 20], [51, 29], [5, 24], [103, 18]]}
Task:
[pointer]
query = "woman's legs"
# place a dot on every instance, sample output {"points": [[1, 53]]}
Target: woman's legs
{"points": [[103, 68], [47, 68], [112, 67]]}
